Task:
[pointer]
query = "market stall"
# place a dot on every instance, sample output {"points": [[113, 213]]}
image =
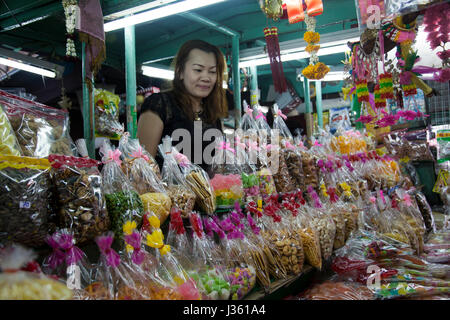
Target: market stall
{"points": [[328, 215]]}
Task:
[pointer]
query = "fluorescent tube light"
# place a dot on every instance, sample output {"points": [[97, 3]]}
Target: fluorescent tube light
{"points": [[158, 13], [289, 55], [147, 6], [27, 67], [153, 72]]}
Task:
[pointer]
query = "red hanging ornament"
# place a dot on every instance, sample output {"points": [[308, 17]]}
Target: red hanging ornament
{"points": [[273, 49]]}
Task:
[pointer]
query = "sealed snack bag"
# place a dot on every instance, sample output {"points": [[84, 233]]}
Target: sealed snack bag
{"points": [[122, 201], [143, 179], [40, 130], [176, 236], [21, 278], [263, 127], [81, 203], [310, 238], [8, 140], [25, 188], [248, 125], [336, 208], [227, 180], [68, 262], [170, 270], [250, 180], [310, 169], [198, 181], [208, 273], [111, 280], [322, 223], [280, 125], [107, 114], [425, 210], [131, 150], [179, 191], [265, 177]]}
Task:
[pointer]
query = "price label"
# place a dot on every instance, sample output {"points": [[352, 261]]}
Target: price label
{"points": [[25, 204]]}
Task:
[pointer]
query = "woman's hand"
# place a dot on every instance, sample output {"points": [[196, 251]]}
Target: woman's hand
{"points": [[149, 131]]}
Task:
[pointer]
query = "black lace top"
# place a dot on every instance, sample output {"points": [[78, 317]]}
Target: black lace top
{"points": [[173, 117]]}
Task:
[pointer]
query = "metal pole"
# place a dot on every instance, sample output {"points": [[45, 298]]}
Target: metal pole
{"points": [[319, 103], [236, 81], [308, 108], [254, 86], [88, 108], [130, 70]]}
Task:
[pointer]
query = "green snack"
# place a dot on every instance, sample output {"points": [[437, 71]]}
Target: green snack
{"points": [[123, 206]]}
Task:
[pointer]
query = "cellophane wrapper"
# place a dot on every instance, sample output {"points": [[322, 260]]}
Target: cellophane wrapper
{"points": [[26, 216], [178, 189], [122, 200], [8, 141], [40, 130], [81, 203]]}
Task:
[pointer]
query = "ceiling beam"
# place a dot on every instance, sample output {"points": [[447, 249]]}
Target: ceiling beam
{"points": [[28, 7]]}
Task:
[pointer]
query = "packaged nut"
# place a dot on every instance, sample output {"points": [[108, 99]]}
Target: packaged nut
{"points": [[294, 165], [81, 204], [25, 188], [281, 176], [183, 198], [310, 170]]}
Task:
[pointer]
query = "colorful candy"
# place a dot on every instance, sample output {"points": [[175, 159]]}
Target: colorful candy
{"points": [[228, 189]]}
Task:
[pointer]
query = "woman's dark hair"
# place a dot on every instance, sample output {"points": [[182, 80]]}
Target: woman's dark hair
{"points": [[214, 105]]}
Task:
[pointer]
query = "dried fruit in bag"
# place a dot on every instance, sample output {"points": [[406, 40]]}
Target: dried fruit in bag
{"points": [[107, 114], [81, 202], [8, 140]]}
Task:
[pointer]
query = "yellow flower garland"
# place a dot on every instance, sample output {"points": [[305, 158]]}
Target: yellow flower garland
{"points": [[316, 72], [311, 37], [311, 48]]}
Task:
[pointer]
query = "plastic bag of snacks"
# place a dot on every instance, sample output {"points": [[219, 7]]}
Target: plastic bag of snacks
{"points": [[21, 282], [143, 179], [81, 203], [337, 290], [198, 181], [68, 262], [336, 209], [180, 284], [249, 175], [263, 127], [265, 176], [322, 223], [280, 125], [107, 114], [122, 201], [206, 271], [25, 213], [310, 170], [40, 130], [131, 150], [443, 139], [425, 210], [437, 248], [310, 238], [111, 280], [247, 123], [227, 180], [8, 141], [176, 236]]}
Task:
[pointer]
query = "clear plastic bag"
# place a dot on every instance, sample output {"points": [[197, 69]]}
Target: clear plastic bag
{"points": [[402, 7], [179, 191], [176, 236], [247, 123], [443, 139], [310, 239], [310, 170], [282, 179], [8, 141], [198, 181], [336, 208], [425, 210], [40, 130], [144, 180], [80, 198], [122, 201], [107, 115], [294, 164], [26, 215], [322, 223], [227, 180], [131, 150], [19, 284], [68, 262], [337, 290]]}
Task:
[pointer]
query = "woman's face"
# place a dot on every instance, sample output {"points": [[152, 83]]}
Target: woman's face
{"points": [[200, 73]]}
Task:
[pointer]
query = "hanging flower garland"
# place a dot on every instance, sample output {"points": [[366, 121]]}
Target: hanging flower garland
{"points": [[437, 24], [273, 9], [70, 9], [315, 70]]}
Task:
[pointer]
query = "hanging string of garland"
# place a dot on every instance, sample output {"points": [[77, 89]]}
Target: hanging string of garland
{"points": [[276, 65], [70, 9], [315, 70]]}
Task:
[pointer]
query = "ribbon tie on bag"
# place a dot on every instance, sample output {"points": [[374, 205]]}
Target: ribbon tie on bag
{"points": [[155, 240], [104, 244], [239, 143], [63, 250], [226, 146], [114, 156], [332, 193], [196, 224], [134, 241], [315, 197], [139, 154], [261, 115], [252, 224], [57, 256], [281, 114], [407, 200], [182, 160], [249, 112], [176, 221], [289, 145], [321, 165], [253, 145]]}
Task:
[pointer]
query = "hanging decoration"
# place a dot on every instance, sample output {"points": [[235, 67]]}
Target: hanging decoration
{"points": [[273, 9], [386, 86], [406, 65], [70, 10], [437, 24], [365, 64], [380, 102], [315, 70], [276, 65], [295, 9]]}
